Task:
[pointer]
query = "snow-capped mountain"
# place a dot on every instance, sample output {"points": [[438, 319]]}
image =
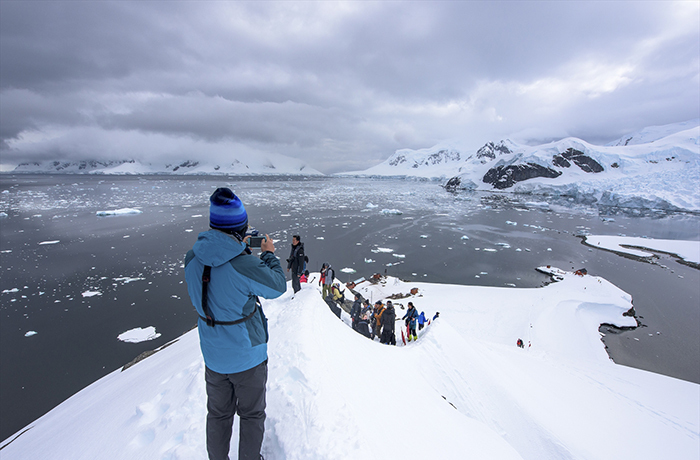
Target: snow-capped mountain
{"points": [[654, 133], [435, 162], [658, 168], [272, 165]]}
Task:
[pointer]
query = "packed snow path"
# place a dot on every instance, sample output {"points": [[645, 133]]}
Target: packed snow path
{"points": [[463, 390]]}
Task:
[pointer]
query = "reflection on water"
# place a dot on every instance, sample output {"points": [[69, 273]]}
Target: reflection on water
{"points": [[411, 229]]}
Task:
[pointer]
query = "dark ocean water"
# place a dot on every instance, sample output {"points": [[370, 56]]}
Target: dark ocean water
{"points": [[135, 263]]}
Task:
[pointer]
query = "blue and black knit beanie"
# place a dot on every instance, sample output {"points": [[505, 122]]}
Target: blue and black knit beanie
{"points": [[226, 212]]}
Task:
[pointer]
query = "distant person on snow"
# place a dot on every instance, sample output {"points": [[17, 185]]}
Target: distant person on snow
{"points": [[355, 311], [363, 326], [388, 320], [338, 295], [224, 281], [410, 318], [377, 324], [421, 320], [327, 277], [296, 262]]}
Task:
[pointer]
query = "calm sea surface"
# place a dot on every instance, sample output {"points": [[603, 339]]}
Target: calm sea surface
{"points": [[79, 280]]}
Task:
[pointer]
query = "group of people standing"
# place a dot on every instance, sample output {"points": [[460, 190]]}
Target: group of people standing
{"points": [[379, 321]]}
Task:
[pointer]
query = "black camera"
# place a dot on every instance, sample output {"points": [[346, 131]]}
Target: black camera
{"points": [[256, 241]]}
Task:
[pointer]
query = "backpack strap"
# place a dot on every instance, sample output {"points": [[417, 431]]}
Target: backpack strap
{"points": [[208, 318]]}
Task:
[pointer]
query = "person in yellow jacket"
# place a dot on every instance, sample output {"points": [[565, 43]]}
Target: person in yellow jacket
{"points": [[338, 295], [377, 326]]}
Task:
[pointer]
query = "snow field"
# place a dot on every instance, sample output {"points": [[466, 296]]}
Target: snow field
{"points": [[463, 390]]}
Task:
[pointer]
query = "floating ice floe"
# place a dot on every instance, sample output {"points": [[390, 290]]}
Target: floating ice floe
{"points": [[91, 293], [549, 249], [644, 247], [385, 250], [490, 250], [197, 215], [3, 214], [424, 236], [503, 245], [127, 279], [372, 206], [369, 261], [30, 333], [400, 256], [49, 242], [464, 237], [118, 212], [320, 238], [10, 291], [348, 270], [391, 212], [139, 335], [6, 251], [511, 223]]}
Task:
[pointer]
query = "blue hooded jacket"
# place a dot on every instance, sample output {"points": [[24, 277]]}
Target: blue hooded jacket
{"points": [[236, 279]]}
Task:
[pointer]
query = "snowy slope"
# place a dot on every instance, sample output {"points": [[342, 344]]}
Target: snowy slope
{"points": [[654, 133], [252, 165], [463, 390], [438, 162]]}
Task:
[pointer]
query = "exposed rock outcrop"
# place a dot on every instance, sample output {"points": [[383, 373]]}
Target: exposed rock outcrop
{"points": [[502, 177]]}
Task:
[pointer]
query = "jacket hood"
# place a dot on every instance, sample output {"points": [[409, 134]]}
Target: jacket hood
{"points": [[215, 248]]}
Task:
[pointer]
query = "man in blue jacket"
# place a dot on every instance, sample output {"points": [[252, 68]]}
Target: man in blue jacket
{"points": [[224, 281]]}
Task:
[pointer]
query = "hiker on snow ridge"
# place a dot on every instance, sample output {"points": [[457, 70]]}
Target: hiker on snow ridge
{"points": [[388, 319], [296, 262], [410, 317], [224, 281]]}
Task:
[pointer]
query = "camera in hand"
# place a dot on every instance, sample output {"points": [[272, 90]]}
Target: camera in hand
{"points": [[255, 239]]}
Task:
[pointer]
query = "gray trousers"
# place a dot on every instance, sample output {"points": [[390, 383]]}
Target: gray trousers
{"points": [[228, 394]]}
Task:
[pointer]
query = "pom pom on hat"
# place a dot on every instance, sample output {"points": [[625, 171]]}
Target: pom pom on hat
{"points": [[226, 212]]}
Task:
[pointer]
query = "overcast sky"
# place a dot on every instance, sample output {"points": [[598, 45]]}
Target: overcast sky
{"points": [[341, 85]]}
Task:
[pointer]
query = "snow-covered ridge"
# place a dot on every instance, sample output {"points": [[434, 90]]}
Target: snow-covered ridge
{"points": [[463, 386], [272, 165], [658, 168]]}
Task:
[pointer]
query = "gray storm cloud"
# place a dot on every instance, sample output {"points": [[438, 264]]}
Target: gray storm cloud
{"points": [[340, 85]]}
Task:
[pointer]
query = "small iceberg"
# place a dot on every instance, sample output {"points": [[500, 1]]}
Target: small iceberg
{"points": [[464, 237], [372, 206], [91, 293], [369, 261], [139, 335], [118, 212], [30, 333], [511, 223], [348, 270], [391, 212]]}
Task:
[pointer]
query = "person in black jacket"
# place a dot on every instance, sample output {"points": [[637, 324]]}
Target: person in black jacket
{"points": [[355, 311], [296, 262], [363, 326], [388, 320]]}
